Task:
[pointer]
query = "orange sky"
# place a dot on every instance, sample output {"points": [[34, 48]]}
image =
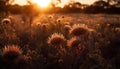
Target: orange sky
{"points": [[20, 2], [23, 2]]}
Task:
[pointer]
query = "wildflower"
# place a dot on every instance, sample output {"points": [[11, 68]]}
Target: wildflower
{"points": [[58, 20], [56, 39], [99, 35], [38, 24], [50, 16], [11, 52], [117, 29], [44, 25], [67, 27], [78, 30], [44, 28], [6, 21], [73, 42], [13, 57]]}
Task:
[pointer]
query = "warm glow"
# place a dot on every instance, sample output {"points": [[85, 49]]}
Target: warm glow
{"points": [[20, 2], [45, 3], [42, 3]]}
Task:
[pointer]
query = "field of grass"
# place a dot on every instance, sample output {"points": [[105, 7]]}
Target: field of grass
{"points": [[60, 41]]}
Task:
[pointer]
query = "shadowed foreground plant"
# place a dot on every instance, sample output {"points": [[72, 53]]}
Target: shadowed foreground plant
{"points": [[56, 39], [12, 57], [56, 50], [73, 42], [78, 30], [11, 52], [66, 30]]}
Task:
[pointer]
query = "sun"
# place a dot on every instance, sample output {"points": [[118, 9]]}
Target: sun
{"points": [[42, 3]]}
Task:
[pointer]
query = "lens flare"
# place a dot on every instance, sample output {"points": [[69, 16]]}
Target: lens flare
{"points": [[42, 3]]}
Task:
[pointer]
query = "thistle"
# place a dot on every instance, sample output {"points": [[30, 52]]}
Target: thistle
{"points": [[73, 42], [78, 30], [6, 21], [50, 16], [10, 53], [56, 39], [67, 27], [13, 57]]}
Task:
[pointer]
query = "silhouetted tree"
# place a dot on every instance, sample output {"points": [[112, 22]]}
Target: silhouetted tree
{"points": [[4, 5], [113, 2], [101, 3], [55, 2], [116, 3]]}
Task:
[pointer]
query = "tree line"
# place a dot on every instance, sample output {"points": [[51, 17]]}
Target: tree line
{"points": [[99, 6]]}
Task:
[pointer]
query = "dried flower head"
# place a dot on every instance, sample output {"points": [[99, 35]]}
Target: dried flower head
{"points": [[78, 30], [6, 21], [44, 25], [73, 42], [50, 16], [38, 24], [67, 27], [58, 20], [56, 39], [11, 52]]}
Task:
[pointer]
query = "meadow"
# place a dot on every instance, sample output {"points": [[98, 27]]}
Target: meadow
{"points": [[60, 41]]}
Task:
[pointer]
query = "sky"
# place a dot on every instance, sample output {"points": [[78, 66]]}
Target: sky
{"points": [[86, 1], [20, 2], [23, 2]]}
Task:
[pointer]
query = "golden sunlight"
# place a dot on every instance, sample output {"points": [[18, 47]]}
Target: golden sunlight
{"points": [[20, 2], [42, 3]]}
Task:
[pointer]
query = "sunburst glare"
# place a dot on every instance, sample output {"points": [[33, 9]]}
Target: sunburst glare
{"points": [[42, 3]]}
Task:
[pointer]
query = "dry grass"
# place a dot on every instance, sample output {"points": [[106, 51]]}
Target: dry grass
{"points": [[61, 41]]}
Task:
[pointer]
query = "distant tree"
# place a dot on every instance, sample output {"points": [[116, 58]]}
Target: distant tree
{"points": [[55, 2], [4, 5], [102, 6], [108, 1], [113, 2], [77, 4], [73, 7], [116, 3], [101, 3], [74, 4]]}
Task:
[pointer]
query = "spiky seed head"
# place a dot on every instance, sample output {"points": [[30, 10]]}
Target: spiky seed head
{"points": [[56, 39], [78, 30], [38, 24], [58, 20], [6, 21], [50, 16], [44, 25], [73, 42], [67, 27], [11, 52]]}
